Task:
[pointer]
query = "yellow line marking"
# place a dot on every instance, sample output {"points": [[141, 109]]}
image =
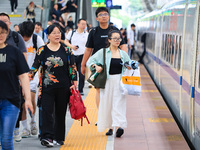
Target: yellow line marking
{"points": [[86, 137], [161, 120], [175, 138], [149, 91], [160, 107], [156, 98], [15, 15]]}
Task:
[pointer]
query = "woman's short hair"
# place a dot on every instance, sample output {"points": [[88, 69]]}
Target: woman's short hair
{"points": [[51, 28], [110, 35]]}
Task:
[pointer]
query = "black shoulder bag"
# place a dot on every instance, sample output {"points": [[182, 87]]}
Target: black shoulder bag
{"points": [[100, 80]]}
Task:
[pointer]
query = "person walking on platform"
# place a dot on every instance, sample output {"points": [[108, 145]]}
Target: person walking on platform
{"points": [[13, 67], [58, 76], [33, 42], [131, 37], [13, 4], [76, 40], [96, 40], [112, 106], [29, 12], [16, 40], [39, 31]]}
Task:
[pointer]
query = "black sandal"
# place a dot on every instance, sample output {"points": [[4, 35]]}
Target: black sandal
{"points": [[110, 132], [119, 132]]}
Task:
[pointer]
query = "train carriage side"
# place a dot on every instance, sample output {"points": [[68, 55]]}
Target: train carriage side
{"points": [[171, 60]]}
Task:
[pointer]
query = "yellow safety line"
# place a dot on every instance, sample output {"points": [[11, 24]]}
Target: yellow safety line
{"points": [[86, 137]]}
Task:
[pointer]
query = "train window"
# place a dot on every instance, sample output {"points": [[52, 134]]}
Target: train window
{"points": [[166, 37], [175, 51], [172, 49], [179, 54], [168, 46], [163, 45]]}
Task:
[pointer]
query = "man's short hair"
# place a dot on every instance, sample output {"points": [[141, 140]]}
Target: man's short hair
{"points": [[100, 9], [4, 14], [16, 25], [38, 23], [132, 25], [27, 28], [81, 19]]}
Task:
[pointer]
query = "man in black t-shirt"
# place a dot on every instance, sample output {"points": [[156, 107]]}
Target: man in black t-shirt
{"points": [[96, 40], [97, 36]]}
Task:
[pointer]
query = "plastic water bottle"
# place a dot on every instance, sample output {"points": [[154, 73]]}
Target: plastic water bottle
{"points": [[93, 77], [132, 64]]}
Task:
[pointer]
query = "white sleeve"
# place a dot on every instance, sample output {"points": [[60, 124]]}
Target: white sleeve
{"points": [[69, 35], [40, 42], [128, 34]]}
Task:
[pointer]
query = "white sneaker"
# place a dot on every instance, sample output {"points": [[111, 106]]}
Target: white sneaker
{"points": [[15, 10], [17, 136], [25, 133], [12, 13], [34, 129]]}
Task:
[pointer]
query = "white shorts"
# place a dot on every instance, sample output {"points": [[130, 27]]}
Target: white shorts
{"points": [[34, 83]]}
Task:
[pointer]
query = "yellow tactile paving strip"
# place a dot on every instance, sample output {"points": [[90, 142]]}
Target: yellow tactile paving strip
{"points": [[86, 137]]}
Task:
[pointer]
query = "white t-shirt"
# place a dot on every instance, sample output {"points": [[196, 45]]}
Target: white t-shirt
{"points": [[79, 39], [130, 36], [31, 52]]}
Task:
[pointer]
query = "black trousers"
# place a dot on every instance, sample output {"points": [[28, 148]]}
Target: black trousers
{"points": [[132, 51], [81, 83], [14, 4], [54, 101], [32, 19]]}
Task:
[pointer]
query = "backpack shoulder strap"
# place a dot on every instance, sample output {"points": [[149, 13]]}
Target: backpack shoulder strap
{"points": [[43, 35], [71, 36], [35, 41], [15, 37]]}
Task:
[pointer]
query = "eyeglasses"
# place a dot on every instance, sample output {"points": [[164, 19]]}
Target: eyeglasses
{"points": [[3, 33], [54, 33], [5, 21], [116, 39], [101, 15]]}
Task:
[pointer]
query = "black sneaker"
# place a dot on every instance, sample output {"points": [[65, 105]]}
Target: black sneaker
{"points": [[82, 93], [119, 132], [110, 132], [60, 142], [95, 124], [47, 142]]}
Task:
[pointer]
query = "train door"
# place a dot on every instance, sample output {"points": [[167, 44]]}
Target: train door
{"points": [[195, 99], [157, 44]]}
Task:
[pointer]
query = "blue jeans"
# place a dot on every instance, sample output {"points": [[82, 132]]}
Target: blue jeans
{"points": [[8, 118]]}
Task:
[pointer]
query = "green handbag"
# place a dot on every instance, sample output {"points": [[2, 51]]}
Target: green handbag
{"points": [[100, 79]]}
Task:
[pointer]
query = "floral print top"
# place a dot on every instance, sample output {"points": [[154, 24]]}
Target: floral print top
{"points": [[57, 68]]}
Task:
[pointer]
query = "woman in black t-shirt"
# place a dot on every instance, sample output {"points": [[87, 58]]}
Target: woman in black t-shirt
{"points": [[58, 76], [13, 66]]}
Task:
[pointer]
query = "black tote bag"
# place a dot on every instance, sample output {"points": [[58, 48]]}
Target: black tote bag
{"points": [[100, 80]]}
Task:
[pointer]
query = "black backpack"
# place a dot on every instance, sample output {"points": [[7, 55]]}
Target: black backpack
{"points": [[16, 39]]}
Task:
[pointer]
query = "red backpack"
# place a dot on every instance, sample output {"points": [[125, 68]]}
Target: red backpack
{"points": [[76, 106]]}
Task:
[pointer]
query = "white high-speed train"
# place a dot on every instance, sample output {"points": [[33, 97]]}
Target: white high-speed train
{"points": [[173, 59]]}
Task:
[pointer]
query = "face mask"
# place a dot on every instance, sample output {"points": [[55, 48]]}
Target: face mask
{"points": [[85, 29]]}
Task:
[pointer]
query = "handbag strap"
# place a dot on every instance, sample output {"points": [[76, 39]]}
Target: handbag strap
{"points": [[104, 56]]}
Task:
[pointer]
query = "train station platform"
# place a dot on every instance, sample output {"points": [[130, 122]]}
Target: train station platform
{"points": [[150, 125]]}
